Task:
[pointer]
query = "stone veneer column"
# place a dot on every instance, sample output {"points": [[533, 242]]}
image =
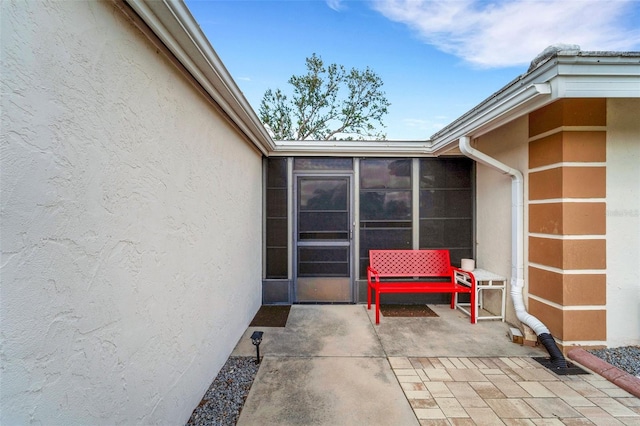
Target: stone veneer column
{"points": [[567, 220]]}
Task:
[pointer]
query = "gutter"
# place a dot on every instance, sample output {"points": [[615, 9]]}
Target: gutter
{"points": [[174, 25], [517, 99], [517, 249], [354, 148]]}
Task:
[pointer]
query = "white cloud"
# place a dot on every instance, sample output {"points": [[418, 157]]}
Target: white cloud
{"points": [[334, 4], [426, 126], [506, 33]]}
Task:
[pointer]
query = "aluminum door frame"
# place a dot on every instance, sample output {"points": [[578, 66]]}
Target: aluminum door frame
{"points": [[352, 232]]}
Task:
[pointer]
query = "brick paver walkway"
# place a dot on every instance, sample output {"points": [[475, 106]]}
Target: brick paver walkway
{"points": [[509, 391]]}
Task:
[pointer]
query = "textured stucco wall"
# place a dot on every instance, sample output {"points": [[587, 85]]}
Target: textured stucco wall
{"points": [[623, 222], [509, 145], [131, 224]]}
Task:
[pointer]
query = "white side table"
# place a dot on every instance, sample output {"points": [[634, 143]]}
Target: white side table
{"points": [[485, 280]]}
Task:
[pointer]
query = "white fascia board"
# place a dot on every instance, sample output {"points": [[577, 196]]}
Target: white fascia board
{"points": [[494, 114], [354, 148], [522, 95], [172, 22], [593, 77], [594, 87], [565, 76]]}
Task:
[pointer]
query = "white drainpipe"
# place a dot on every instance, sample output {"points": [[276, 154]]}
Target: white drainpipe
{"points": [[517, 247]]}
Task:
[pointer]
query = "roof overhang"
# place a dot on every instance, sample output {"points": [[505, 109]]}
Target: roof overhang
{"points": [[568, 74], [355, 148], [174, 25], [564, 75]]}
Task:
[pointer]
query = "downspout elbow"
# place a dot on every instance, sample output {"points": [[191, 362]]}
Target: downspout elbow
{"points": [[464, 143]]}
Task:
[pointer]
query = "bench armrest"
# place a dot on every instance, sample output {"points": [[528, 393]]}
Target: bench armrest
{"points": [[372, 273], [464, 277]]}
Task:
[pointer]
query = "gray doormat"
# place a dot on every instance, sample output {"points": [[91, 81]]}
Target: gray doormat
{"points": [[398, 310]]}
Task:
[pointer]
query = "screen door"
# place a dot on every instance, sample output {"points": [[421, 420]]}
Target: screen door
{"points": [[323, 239]]}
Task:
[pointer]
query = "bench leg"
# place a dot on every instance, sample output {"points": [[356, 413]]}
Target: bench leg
{"points": [[377, 307], [453, 300], [368, 297], [474, 312]]}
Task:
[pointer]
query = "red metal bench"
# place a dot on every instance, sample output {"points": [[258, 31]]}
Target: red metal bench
{"points": [[416, 271]]}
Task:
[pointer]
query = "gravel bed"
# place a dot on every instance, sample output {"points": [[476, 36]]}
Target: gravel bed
{"points": [[626, 358], [222, 403]]}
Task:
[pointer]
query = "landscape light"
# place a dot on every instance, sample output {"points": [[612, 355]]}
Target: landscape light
{"points": [[256, 339]]}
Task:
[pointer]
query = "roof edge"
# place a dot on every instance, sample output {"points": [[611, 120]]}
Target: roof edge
{"points": [[355, 148], [557, 75], [174, 25]]}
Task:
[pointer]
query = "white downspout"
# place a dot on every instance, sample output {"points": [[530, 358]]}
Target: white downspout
{"points": [[517, 232]]}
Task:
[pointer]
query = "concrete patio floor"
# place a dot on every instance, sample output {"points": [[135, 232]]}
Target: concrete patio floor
{"points": [[331, 365]]}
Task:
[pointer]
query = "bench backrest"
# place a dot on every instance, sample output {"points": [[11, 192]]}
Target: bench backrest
{"points": [[411, 263]]}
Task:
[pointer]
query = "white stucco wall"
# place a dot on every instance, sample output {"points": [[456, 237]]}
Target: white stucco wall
{"points": [[623, 222], [509, 145], [131, 224]]}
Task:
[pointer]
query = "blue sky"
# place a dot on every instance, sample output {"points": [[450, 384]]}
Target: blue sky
{"points": [[437, 58]]}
